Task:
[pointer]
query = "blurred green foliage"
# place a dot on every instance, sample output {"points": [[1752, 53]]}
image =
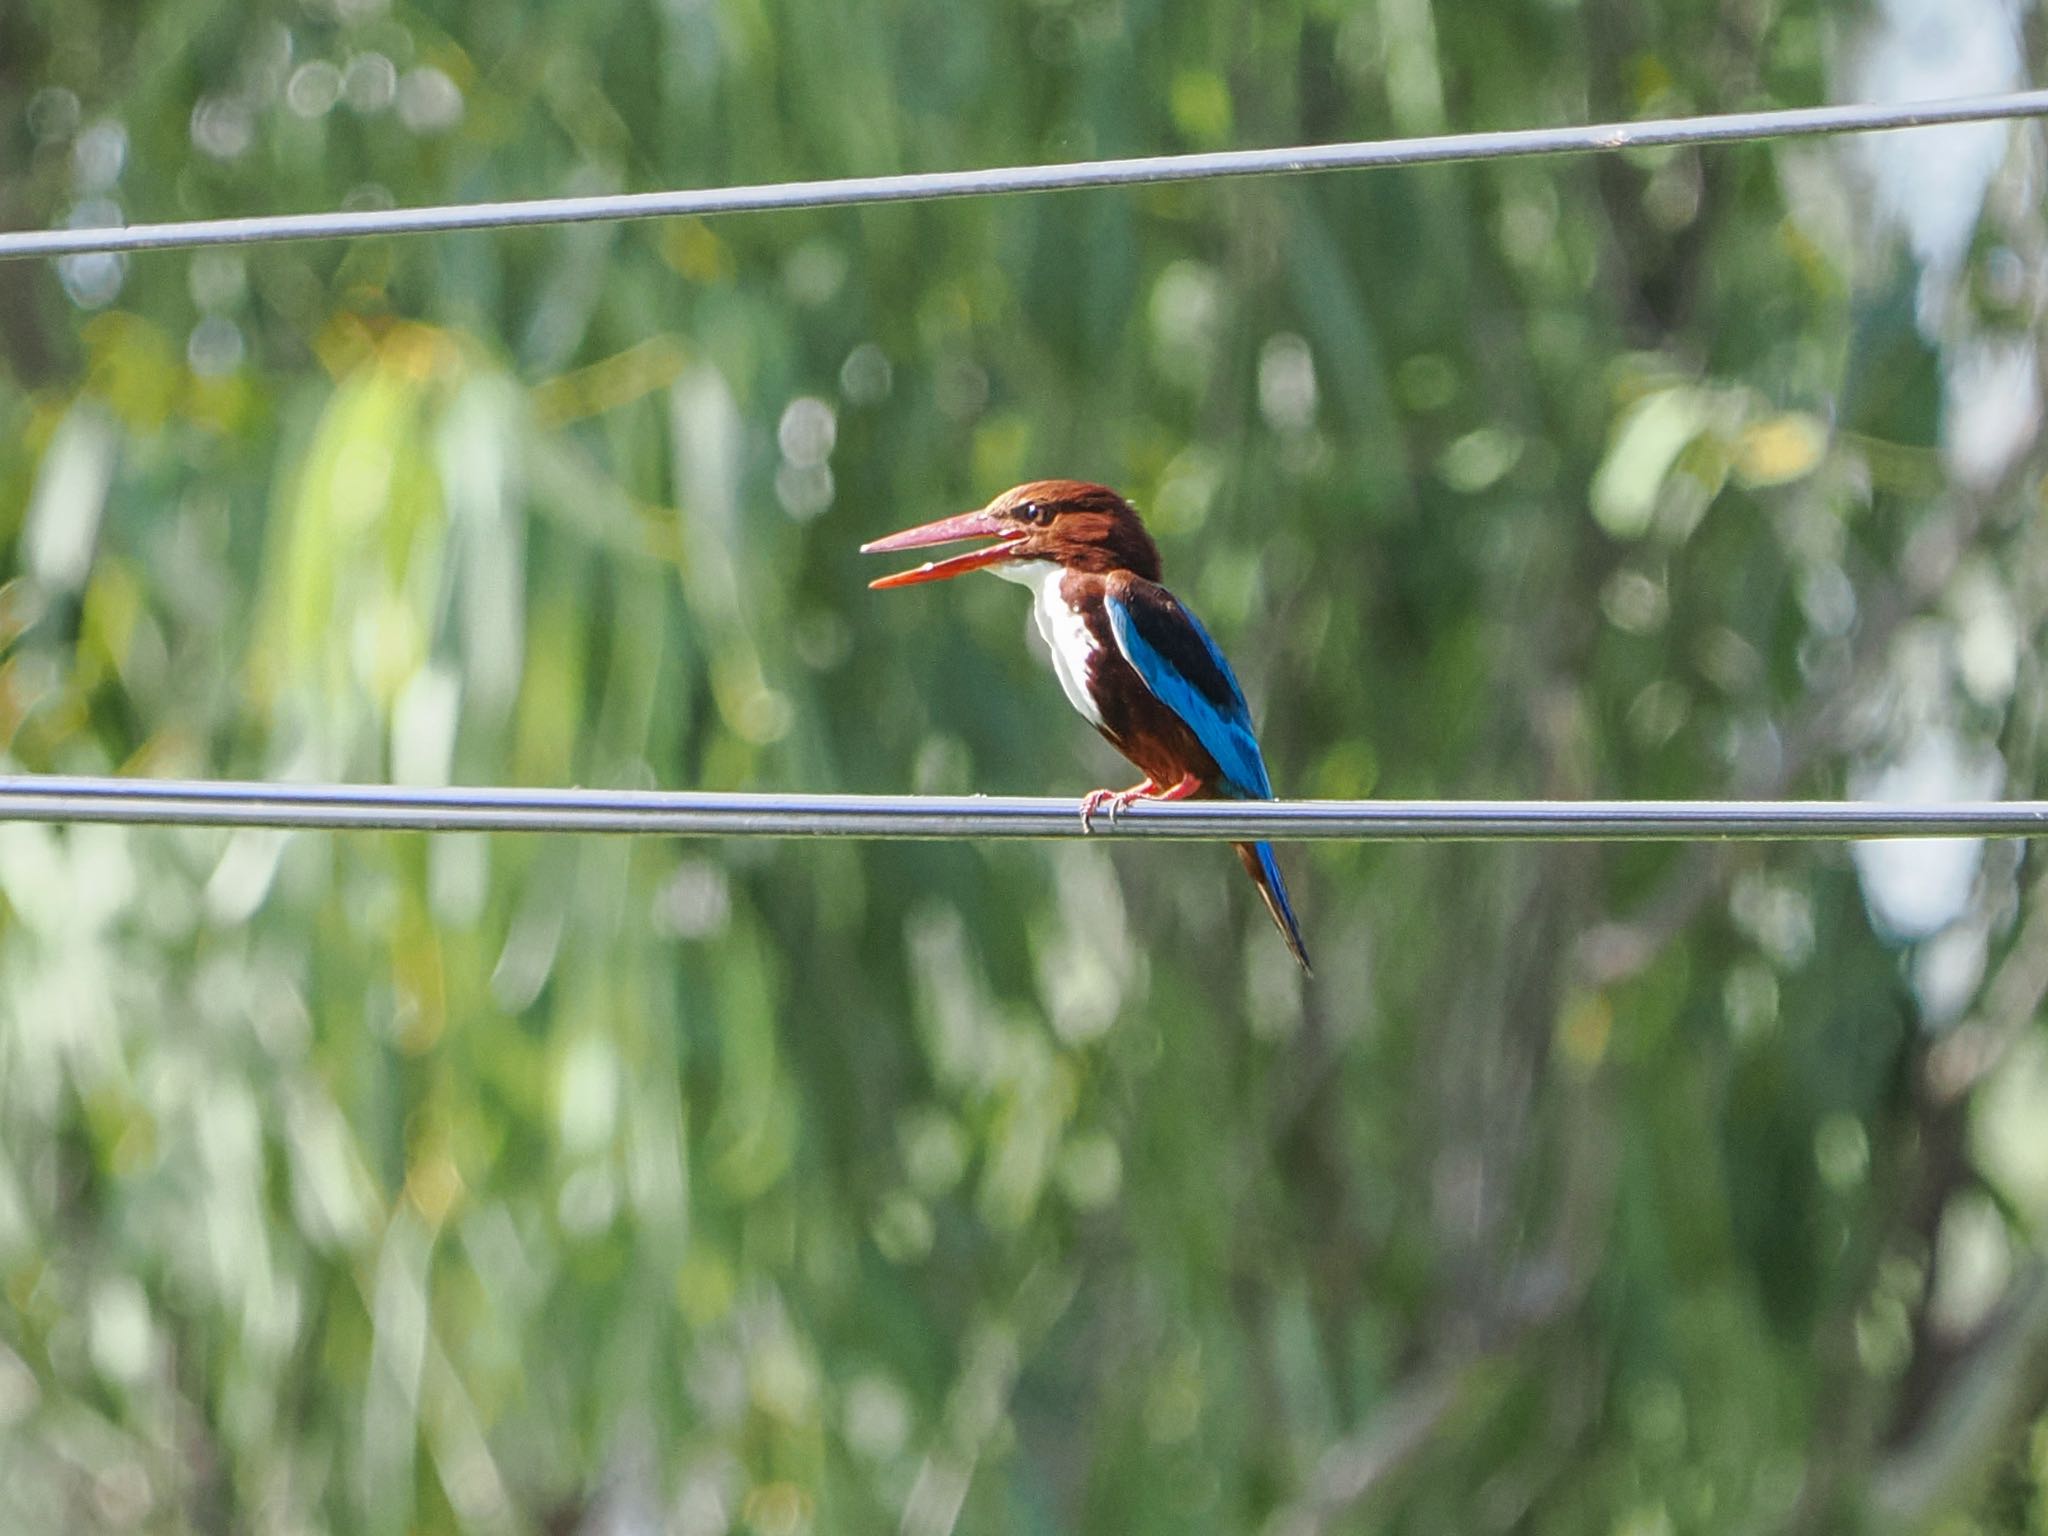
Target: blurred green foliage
{"points": [[372, 1182]]}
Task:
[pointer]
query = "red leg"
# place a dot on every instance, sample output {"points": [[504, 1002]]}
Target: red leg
{"points": [[1119, 799], [1115, 799]]}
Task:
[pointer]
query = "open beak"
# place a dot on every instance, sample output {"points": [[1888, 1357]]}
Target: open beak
{"points": [[948, 530]]}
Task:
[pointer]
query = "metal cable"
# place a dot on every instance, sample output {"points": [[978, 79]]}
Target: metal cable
{"points": [[210, 803], [1721, 129]]}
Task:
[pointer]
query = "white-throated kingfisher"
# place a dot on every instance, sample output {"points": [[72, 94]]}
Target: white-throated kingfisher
{"points": [[1130, 657]]}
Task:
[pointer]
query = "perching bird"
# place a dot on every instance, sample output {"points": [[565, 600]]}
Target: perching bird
{"points": [[1137, 665]]}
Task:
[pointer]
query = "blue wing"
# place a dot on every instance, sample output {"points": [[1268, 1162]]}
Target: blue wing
{"points": [[1168, 648]]}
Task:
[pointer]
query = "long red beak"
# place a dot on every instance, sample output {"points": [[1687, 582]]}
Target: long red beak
{"points": [[948, 530]]}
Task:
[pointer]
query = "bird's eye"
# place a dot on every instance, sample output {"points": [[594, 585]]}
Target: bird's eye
{"points": [[1032, 512]]}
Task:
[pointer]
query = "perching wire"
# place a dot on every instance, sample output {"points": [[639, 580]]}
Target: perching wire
{"points": [[212, 803]]}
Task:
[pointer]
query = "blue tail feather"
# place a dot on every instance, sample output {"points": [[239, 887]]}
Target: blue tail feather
{"points": [[1264, 869]]}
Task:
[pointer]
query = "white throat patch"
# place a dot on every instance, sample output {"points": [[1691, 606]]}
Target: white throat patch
{"points": [[1066, 632]]}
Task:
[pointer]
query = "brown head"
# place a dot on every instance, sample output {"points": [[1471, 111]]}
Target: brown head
{"points": [[1070, 522]]}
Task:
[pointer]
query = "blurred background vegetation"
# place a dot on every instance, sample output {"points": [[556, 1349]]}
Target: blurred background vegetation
{"points": [[378, 1183]]}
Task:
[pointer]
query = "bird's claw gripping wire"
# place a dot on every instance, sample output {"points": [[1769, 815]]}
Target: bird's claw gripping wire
{"points": [[1115, 799], [1119, 800]]}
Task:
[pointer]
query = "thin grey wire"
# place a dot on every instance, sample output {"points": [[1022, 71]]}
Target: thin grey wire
{"points": [[219, 803], [1721, 129]]}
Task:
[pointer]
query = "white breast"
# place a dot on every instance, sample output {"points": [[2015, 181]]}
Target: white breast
{"points": [[1066, 632]]}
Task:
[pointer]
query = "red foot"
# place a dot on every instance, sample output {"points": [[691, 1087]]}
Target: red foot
{"points": [[1119, 799], [1115, 799]]}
